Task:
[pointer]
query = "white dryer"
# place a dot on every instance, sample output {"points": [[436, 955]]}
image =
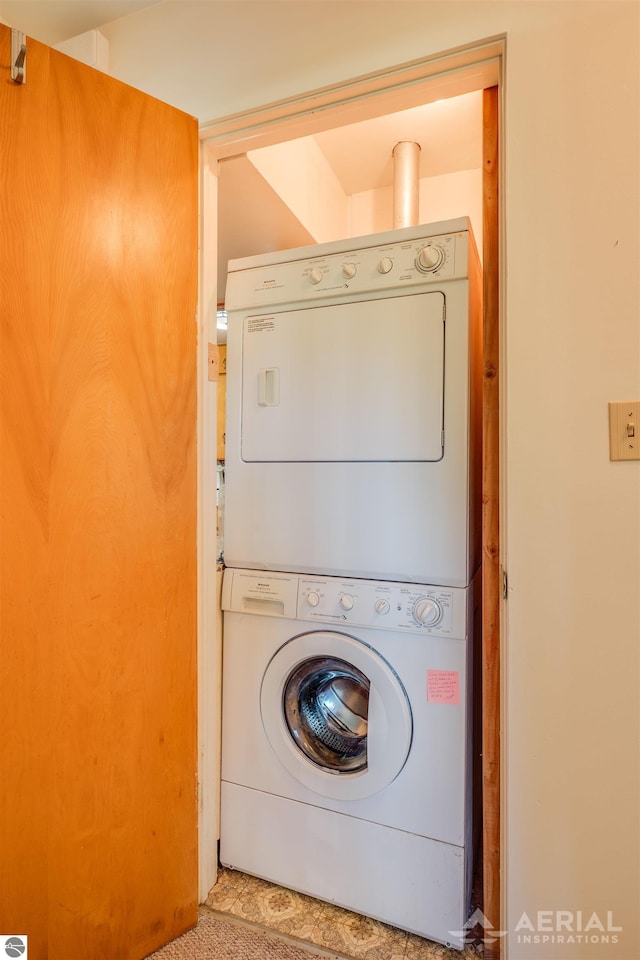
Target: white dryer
{"points": [[346, 747], [353, 408]]}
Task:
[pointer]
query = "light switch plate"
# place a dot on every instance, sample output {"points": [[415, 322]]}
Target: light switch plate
{"points": [[624, 430]]}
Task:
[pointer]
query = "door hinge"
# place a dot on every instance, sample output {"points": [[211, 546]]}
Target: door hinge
{"points": [[214, 361], [442, 439], [505, 585]]}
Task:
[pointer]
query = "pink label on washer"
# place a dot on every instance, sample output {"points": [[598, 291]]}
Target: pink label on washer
{"points": [[443, 686]]}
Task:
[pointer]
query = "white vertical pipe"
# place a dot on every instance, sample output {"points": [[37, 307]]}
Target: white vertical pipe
{"points": [[406, 184]]}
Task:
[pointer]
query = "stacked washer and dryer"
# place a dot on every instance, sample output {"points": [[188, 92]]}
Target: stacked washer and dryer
{"points": [[352, 551]]}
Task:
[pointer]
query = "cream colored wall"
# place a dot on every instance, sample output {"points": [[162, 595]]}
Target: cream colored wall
{"points": [[571, 344], [441, 198], [91, 48], [299, 173]]}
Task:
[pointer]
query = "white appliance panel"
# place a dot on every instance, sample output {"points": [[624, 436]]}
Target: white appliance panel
{"points": [[355, 381], [411, 882]]}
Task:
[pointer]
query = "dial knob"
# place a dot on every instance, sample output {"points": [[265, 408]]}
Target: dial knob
{"points": [[430, 258], [427, 611], [346, 601], [313, 598], [382, 606], [385, 265], [349, 270], [315, 275]]}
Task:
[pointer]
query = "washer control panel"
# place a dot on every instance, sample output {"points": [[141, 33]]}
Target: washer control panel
{"points": [[346, 602], [415, 608]]}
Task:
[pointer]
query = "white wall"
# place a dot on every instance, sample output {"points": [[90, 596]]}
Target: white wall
{"points": [[572, 344]]}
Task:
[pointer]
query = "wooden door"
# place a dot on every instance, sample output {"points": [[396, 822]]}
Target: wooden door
{"points": [[98, 274]]}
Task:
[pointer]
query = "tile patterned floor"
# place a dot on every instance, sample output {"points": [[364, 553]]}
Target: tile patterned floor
{"points": [[322, 924]]}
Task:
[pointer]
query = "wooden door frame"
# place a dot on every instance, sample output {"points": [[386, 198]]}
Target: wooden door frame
{"points": [[492, 586], [451, 73]]}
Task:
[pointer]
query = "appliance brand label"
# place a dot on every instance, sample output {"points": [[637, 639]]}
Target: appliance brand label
{"points": [[263, 590]]}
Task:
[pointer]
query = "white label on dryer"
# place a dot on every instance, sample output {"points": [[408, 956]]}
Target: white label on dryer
{"points": [[261, 324]]}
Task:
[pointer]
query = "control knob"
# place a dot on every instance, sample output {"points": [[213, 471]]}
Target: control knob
{"points": [[313, 598], [346, 601], [315, 275], [385, 265], [382, 606], [349, 270], [430, 258], [427, 612]]}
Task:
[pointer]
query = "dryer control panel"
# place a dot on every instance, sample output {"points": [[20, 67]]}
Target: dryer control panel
{"points": [[400, 260], [379, 604]]}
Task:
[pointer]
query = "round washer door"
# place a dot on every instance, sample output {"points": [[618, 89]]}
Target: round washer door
{"points": [[336, 715]]}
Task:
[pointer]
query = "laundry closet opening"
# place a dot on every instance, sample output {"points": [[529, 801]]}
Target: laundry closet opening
{"points": [[289, 178]]}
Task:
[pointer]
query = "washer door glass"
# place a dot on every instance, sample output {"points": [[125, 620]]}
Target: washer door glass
{"points": [[336, 715], [326, 706]]}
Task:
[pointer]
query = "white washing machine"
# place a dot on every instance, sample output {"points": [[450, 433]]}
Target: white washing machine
{"points": [[346, 747], [353, 408]]}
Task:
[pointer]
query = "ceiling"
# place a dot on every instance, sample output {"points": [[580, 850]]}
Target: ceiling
{"points": [[52, 21], [449, 133]]}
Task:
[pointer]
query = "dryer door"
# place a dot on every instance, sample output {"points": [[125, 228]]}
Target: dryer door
{"points": [[360, 381], [336, 715]]}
